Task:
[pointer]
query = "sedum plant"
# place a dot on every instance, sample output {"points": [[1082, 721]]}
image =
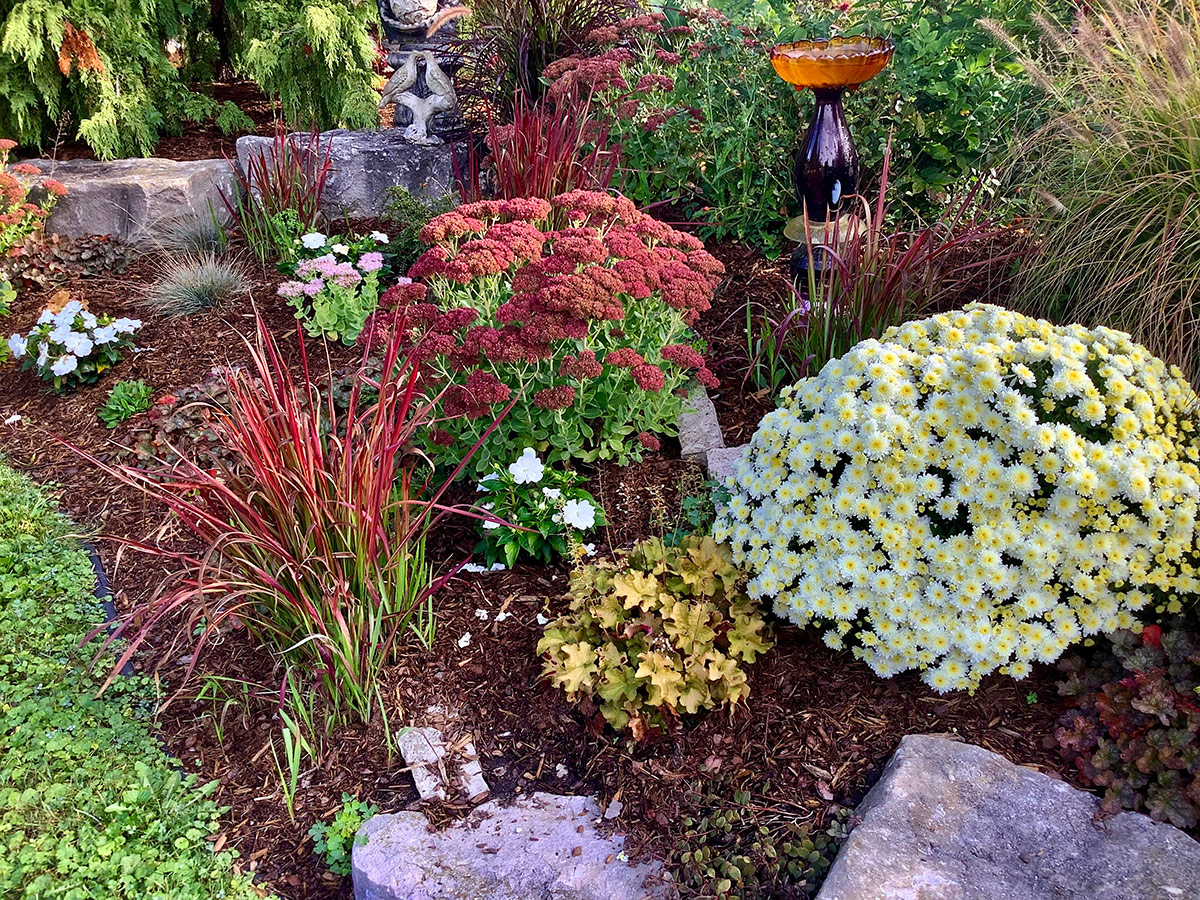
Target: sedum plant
{"points": [[578, 307], [21, 217], [973, 492], [1136, 729], [666, 632], [551, 514]]}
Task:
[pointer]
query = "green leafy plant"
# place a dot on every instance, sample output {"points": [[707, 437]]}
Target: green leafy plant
{"points": [[192, 284], [1113, 175], [579, 307], [536, 513], [7, 295], [93, 809], [333, 841], [1135, 731], [73, 347], [735, 845], [667, 631], [316, 56], [404, 215], [125, 400], [316, 540]]}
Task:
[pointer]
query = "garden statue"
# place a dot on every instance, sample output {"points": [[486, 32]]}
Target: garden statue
{"points": [[406, 17], [826, 165], [441, 97]]}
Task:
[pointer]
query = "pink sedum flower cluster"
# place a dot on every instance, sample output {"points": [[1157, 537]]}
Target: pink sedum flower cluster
{"points": [[579, 307]]}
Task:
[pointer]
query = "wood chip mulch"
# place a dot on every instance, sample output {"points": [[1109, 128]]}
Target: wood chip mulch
{"points": [[814, 735]]}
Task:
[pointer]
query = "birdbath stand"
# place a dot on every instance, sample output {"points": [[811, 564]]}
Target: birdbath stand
{"points": [[826, 169]]}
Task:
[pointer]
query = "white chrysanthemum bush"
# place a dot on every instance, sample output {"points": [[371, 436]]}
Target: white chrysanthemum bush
{"points": [[972, 493]]}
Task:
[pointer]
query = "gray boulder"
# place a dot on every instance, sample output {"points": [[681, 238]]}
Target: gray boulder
{"points": [[544, 847], [951, 821], [699, 430], [364, 165], [125, 199]]}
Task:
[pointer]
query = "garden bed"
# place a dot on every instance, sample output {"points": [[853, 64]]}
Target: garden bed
{"points": [[814, 737]]}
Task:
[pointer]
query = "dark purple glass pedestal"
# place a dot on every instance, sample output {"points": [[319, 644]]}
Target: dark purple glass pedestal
{"points": [[825, 169]]}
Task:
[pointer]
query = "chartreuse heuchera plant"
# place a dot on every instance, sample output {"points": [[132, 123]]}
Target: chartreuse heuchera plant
{"points": [[1135, 730], [551, 514], [72, 346], [92, 808], [582, 304], [667, 631], [973, 492]]}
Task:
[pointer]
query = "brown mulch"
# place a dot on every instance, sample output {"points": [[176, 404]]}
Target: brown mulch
{"points": [[815, 733]]}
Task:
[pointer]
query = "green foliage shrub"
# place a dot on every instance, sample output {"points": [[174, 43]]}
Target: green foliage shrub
{"points": [[1136, 729], [666, 632], [404, 216], [91, 808], [125, 400], [335, 841], [701, 116], [99, 68]]}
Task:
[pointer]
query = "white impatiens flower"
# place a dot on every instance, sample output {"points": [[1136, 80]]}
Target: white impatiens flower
{"points": [[78, 343], [579, 514], [17, 345], [65, 365], [482, 486], [379, 237], [43, 354], [552, 493], [46, 317], [66, 315], [528, 469], [126, 326], [314, 240], [340, 249], [105, 334]]}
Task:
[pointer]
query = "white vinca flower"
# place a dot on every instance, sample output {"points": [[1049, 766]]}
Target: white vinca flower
{"points": [[528, 469], [314, 240], [579, 514], [972, 493]]}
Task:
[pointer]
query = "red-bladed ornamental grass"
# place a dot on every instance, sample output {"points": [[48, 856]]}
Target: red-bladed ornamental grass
{"points": [[314, 534], [576, 309]]}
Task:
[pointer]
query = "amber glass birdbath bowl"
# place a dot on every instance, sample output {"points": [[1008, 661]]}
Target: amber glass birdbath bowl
{"points": [[826, 165]]}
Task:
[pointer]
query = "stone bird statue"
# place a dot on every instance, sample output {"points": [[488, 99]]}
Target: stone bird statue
{"points": [[441, 98]]}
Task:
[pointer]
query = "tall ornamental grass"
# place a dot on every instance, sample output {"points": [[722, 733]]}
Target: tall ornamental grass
{"points": [[314, 538], [1113, 174]]}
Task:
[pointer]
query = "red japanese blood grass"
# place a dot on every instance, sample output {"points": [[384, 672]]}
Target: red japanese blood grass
{"points": [[315, 538], [548, 148], [288, 179]]}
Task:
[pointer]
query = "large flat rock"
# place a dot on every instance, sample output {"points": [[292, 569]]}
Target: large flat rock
{"points": [[545, 847], [125, 199], [364, 165], [951, 821]]}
